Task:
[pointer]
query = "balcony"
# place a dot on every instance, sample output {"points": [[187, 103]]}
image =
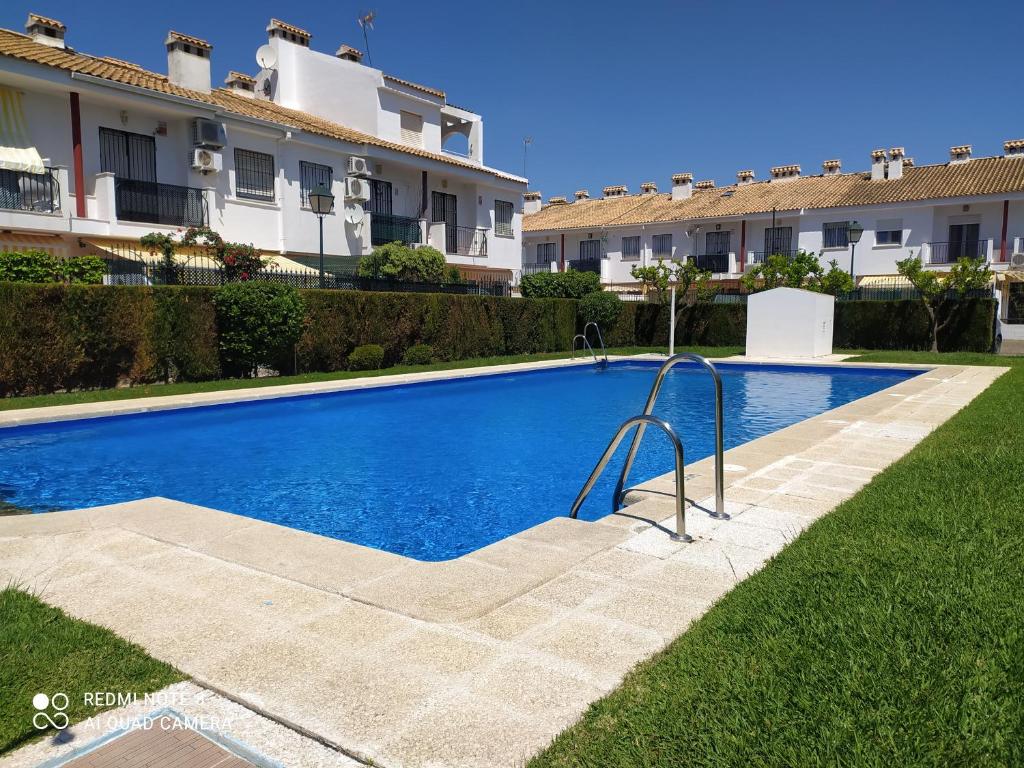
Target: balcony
{"points": [[386, 228], [465, 241], [585, 265], [33, 192], [758, 257], [154, 203], [717, 263], [949, 252]]}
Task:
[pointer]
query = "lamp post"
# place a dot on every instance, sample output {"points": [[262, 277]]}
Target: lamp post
{"points": [[321, 201], [853, 233]]}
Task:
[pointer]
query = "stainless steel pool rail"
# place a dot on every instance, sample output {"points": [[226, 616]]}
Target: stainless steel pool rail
{"points": [[641, 422], [586, 345], [600, 338], [652, 398]]}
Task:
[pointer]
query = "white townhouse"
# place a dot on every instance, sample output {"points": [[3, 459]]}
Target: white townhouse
{"points": [[95, 152], [965, 207]]}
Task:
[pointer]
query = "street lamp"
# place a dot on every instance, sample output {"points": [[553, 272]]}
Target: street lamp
{"points": [[853, 233], [321, 201]]}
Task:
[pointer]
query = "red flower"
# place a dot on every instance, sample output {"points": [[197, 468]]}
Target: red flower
{"points": [[245, 275], [229, 260]]}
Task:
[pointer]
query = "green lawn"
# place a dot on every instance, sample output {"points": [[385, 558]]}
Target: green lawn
{"points": [[185, 388], [42, 650], [891, 633]]}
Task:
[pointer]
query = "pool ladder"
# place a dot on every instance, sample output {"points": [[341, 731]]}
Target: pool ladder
{"points": [[640, 423], [586, 345]]}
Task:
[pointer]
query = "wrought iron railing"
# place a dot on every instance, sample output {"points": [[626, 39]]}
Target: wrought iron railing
{"points": [[585, 265], [154, 203], [760, 256], [465, 241], [715, 262], [387, 228], [22, 191], [533, 269], [949, 252]]}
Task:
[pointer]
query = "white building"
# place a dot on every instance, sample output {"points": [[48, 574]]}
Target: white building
{"points": [[95, 151], [966, 207]]}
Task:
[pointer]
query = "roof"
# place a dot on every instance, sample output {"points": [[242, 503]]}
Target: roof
{"points": [[198, 42], [35, 18], [282, 25], [415, 86], [981, 176], [19, 46]]}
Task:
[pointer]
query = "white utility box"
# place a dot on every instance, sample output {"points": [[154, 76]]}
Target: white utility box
{"points": [[789, 322]]}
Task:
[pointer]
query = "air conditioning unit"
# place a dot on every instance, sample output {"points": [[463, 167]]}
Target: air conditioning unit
{"points": [[357, 166], [207, 161], [1017, 261], [357, 189], [208, 134]]}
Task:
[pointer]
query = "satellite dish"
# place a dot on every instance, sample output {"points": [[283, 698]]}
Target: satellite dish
{"points": [[266, 57], [353, 213]]}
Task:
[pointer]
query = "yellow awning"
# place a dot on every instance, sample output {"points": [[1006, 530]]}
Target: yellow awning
{"points": [[889, 281], [194, 257], [16, 151]]}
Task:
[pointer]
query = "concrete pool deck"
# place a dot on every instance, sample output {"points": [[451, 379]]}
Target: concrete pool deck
{"points": [[477, 661]]}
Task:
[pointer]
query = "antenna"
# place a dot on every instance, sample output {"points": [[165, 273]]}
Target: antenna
{"points": [[527, 141], [365, 21]]}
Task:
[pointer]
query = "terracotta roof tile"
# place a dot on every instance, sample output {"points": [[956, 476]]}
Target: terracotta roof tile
{"points": [[278, 24], [198, 42], [981, 176], [35, 18], [415, 86], [19, 46]]}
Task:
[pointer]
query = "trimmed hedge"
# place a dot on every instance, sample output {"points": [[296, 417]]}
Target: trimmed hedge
{"points": [[905, 325]]}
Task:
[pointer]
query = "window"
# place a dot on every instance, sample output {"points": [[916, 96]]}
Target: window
{"points": [[662, 245], [835, 234], [412, 128], [889, 232], [381, 198], [312, 175], [717, 243], [590, 250], [631, 247], [128, 155], [545, 253], [503, 218], [254, 175], [778, 240]]}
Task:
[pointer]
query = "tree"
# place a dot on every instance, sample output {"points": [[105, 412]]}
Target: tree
{"points": [[397, 261], [965, 275], [778, 271], [694, 283], [656, 278], [836, 281]]}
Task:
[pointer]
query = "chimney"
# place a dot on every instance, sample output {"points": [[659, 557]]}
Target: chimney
{"points": [[785, 172], [297, 35], [188, 61], [617, 190], [895, 168], [240, 83], [908, 162], [744, 177], [531, 202], [706, 184], [348, 53], [1013, 148], [832, 167], [557, 201], [649, 188], [582, 194], [45, 31], [682, 186], [961, 154], [877, 164]]}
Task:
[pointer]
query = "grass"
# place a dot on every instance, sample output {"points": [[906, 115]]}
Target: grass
{"points": [[42, 650], [187, 388], [891, 633]]}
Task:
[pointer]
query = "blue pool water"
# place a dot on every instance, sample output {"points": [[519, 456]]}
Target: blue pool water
{"points": [[431, 470]]}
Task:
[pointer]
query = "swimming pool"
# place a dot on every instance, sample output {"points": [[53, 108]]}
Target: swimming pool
{"points": [[430, 470]]}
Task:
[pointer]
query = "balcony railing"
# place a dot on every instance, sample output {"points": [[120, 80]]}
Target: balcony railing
{"points": [[585, 265], [153, 203], [465, 241], [38, 192], [760, 256], [949, 252], [533, 269], [715, 262], [386, 228]]}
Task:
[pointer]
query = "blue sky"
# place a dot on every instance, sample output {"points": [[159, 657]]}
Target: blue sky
{"points": [[619, 93]]}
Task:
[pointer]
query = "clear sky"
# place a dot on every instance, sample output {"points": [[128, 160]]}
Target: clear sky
{"points": [[617, 92]]}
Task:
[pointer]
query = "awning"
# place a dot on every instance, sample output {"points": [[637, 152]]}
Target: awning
{"points": [[887, 281], [132, 250], [16, 151], [19, 241]]}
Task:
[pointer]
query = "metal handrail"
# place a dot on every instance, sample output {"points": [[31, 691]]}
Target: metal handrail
{"points": [[586, 344], [719, 439], [600, 338], [641, 422]]}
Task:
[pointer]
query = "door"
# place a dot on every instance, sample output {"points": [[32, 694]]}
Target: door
{"points": [[716, 243], [963, 241], [442, 208], [778, 240], [380, 197], [131, 157]]}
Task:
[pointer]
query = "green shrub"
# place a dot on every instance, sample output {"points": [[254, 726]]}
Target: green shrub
{"points": [[397, 261], [368, 357], [257, 323], [418, 354], [905, 325], [35, 266], [559, 285], [601, 307]]}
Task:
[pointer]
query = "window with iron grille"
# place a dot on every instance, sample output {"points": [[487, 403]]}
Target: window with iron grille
{"points": [[889, 232], [312, 175], [631, 247], [503, 218], [545, 253], [254, 175], [835, 234], [590, 249], [662, 246]]}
